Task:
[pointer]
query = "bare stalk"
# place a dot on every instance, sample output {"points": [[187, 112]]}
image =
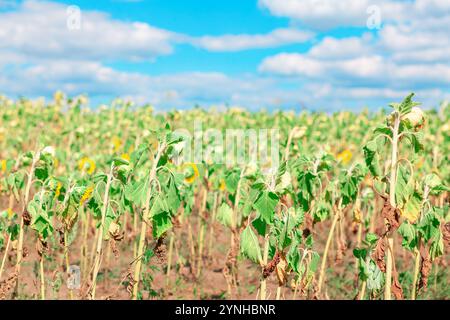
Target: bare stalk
{"points": [[392, 184], [263, 284], [21, 230], [327, 247], [99, 250], [141, 245]]}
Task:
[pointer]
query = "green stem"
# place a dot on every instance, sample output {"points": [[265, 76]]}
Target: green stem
{"points": [[99, 250], [66, 257], [363, 291], [21, 229], [263, 284], [202, 233], [327, 248], [41, 264], [5, 255], [141, 245], [392, 183], [169, 259]]}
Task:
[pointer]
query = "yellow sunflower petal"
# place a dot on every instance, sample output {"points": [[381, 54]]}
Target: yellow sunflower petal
{"points": [[87, 194], [91, 165], [345, 156], [125, 156], [58, 189], [222, 185], [194, 176]]}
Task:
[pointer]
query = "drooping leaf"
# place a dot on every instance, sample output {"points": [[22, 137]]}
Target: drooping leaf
{"points": [[250, 246], [225, 215], [265, 205]]}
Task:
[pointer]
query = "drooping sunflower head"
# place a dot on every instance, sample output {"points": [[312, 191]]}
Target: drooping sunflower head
{"points": [[222, 185], [87, 194], [191, 173], [116, 143], [58, 189], [3, 166], [125, 156], [345, 156], [86, 165]]}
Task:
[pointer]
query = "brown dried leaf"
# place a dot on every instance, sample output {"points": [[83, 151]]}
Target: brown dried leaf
{"points": [[391, 214], [379, 254], [309, 224], [41, 247], [425, 268], [270, 267], [62, 241], [114, 249], [340, 253], [281, 270], [160, 251], [396, 287], [446, 233], [26, 217]]}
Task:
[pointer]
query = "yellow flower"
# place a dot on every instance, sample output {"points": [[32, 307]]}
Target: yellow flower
{"points": [[192, 172], [357, 216], [58, 97], [222, 185], [86, 195], [55, 163], [345, 156], [125, 156], [10, 213], [117, 143], [58, 189], [89, 162], [420, 163], [3, 166]]}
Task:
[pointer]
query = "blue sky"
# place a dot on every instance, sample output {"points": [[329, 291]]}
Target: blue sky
{"points": [[290, 54]]}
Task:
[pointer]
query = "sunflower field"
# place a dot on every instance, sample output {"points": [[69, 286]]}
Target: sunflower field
{"points": [[96, 204]]}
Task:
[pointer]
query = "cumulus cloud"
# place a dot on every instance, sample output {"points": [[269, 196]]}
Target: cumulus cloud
{"points": [[369, 70], [408, 53], [39, 55], [240, 42], [38, 30], [181, 90], [328, 14]]}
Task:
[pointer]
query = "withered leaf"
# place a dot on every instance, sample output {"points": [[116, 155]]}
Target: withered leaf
{"points": [[379, 254], [396, 287], [391, 214], [425, 268]]}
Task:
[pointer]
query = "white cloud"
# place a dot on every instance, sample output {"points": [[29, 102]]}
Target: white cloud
{"points": [[38, 30], [39, 55], [332, 48], [238, 42], [413, 54], [181, 90], [371, 70], [291, 64], [328, 14]]}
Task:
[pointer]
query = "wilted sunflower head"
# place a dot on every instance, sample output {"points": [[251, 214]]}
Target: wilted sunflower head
{"points": [[190, 171], [86, 165], [345, 156], [3, 166], [416, 117]]}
